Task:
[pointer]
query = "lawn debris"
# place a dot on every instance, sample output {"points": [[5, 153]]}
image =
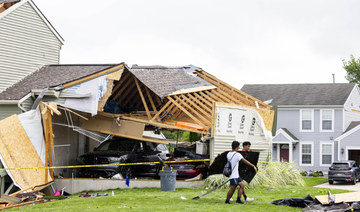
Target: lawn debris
{"points": [[339, 198], [93, 195], [295, 202]]}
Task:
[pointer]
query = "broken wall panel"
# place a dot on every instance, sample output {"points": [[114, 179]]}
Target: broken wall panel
{"points": [[107, 124], [17, 151]]}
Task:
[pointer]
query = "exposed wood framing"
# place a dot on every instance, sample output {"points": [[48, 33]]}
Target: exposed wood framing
{"points": [[106, 71], [151, 100], [192, 111], [142, 98], [201, 104], [233, 92], [161, 110], [188, 113], [207, 114]]}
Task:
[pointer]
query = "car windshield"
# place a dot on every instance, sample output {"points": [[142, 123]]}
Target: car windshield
{"points": [[340, 165], [117, 145]]}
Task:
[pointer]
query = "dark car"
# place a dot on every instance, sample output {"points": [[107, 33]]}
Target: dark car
{"points": [[347, 171], [189, 169], [122, 150]]}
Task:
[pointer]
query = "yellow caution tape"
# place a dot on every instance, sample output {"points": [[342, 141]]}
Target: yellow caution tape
{"points": [[105, 165]]}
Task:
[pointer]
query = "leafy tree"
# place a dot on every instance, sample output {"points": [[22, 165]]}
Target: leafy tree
{"points": [[352, 68]]}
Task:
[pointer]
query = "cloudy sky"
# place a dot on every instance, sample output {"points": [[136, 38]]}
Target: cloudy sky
{"points": [[238, 41]]}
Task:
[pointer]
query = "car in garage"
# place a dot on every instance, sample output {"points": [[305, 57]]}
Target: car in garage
{"points": [[346, 171], [122, 150]]}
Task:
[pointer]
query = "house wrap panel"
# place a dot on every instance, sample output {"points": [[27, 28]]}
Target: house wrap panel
{"points": [[27, 43]]}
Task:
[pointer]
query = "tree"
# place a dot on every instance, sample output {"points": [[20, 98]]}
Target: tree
{"points": [[352, 68]]}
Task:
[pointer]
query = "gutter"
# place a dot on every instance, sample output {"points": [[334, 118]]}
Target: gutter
{"points": [[9, 102]]}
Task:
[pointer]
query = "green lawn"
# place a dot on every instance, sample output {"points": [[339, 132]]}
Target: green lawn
{"points": [[155, 200]]}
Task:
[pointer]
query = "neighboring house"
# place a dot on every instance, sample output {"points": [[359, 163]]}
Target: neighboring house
{"points": [[28, 41], [316, 124]]}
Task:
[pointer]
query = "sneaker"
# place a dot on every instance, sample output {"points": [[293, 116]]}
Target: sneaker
{"points": [[249, 199], [239, 202], [227, 202]]}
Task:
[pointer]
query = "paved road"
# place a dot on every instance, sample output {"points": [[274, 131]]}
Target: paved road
{"points": [[340, 185]]}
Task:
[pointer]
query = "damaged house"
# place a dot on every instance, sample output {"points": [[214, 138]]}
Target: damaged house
{"points": [[112, 99]]}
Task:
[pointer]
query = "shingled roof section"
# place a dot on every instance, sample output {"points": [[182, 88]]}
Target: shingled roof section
{"points": [[164, 80], [49, 76], [301, 94]]}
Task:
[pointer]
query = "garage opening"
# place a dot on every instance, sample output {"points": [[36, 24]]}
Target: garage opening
{"points": [[354, 155]]}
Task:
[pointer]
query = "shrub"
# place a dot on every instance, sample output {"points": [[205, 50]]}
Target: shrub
{"points": [[304, 173], [272, 175]]}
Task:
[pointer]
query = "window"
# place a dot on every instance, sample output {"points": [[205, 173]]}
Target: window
{"points": [[326, 153], [306, 117], [326, 121], [306, 156]]}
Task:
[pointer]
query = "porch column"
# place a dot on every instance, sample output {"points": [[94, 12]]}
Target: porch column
{"points": [[278, 152], [290, 151]]}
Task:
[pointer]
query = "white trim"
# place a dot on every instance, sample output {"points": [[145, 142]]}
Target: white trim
{"points": [[312, 120], [332, 120], [286, 135], [332, 152], [350, 148], [343, 120], [278, 152], [347, 133], [291, 152], [338, 150], [312, 153], [9, 102]]}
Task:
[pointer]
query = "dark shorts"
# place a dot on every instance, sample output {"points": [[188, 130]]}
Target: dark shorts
{"points": [[235, 181]]}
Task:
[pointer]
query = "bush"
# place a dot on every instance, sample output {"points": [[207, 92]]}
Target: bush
{"points": [[272, 175], [304, 173]]}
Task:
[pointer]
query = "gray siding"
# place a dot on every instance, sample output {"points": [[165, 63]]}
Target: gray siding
{"points": [[290, 119], [27, 43], [8, 110], [351, 141]]}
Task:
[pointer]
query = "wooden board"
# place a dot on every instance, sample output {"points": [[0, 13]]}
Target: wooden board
{"points": [[109, 125], [105, 97], [18, 152], [246, 172], [115, 75], [344, 197]]}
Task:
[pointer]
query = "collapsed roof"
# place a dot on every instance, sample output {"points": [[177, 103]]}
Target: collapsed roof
{"points": [[181, 97]]}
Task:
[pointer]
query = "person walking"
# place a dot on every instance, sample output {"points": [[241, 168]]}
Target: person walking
{"points": [[246, 147], [234, 157]]}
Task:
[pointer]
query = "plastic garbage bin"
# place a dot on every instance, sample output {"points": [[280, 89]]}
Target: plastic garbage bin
{"points": [[167, 179]]}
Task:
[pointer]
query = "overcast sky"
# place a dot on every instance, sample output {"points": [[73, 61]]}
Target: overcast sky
{"points": [[240, 42]]}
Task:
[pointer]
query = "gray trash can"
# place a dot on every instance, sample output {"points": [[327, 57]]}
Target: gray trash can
{"points": [[167, 179]]}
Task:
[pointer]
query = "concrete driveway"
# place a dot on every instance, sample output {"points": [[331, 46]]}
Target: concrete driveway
{"points": [[341, 185]]}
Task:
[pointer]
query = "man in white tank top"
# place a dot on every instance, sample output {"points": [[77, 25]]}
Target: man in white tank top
{"points": [[234, 157]]}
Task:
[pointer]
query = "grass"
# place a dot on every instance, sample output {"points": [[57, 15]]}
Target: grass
{"points": [[152, 199]]}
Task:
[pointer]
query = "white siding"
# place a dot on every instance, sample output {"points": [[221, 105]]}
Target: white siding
{"points": [[219, 144], [352, 103], [27, 43]]}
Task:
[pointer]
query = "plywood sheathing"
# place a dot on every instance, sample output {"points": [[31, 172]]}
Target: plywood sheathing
{"points": [[18, 152], [115, 75], [105, 97], [344, 197], [122, 128]]}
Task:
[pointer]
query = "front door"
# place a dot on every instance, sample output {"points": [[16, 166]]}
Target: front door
{"points": [[284, 152]]}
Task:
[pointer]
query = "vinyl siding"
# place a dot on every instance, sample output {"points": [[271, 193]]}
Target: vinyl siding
{"points": [[290, 119], [351, 141], [8, 110], [27, 44], [352, 103]]}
